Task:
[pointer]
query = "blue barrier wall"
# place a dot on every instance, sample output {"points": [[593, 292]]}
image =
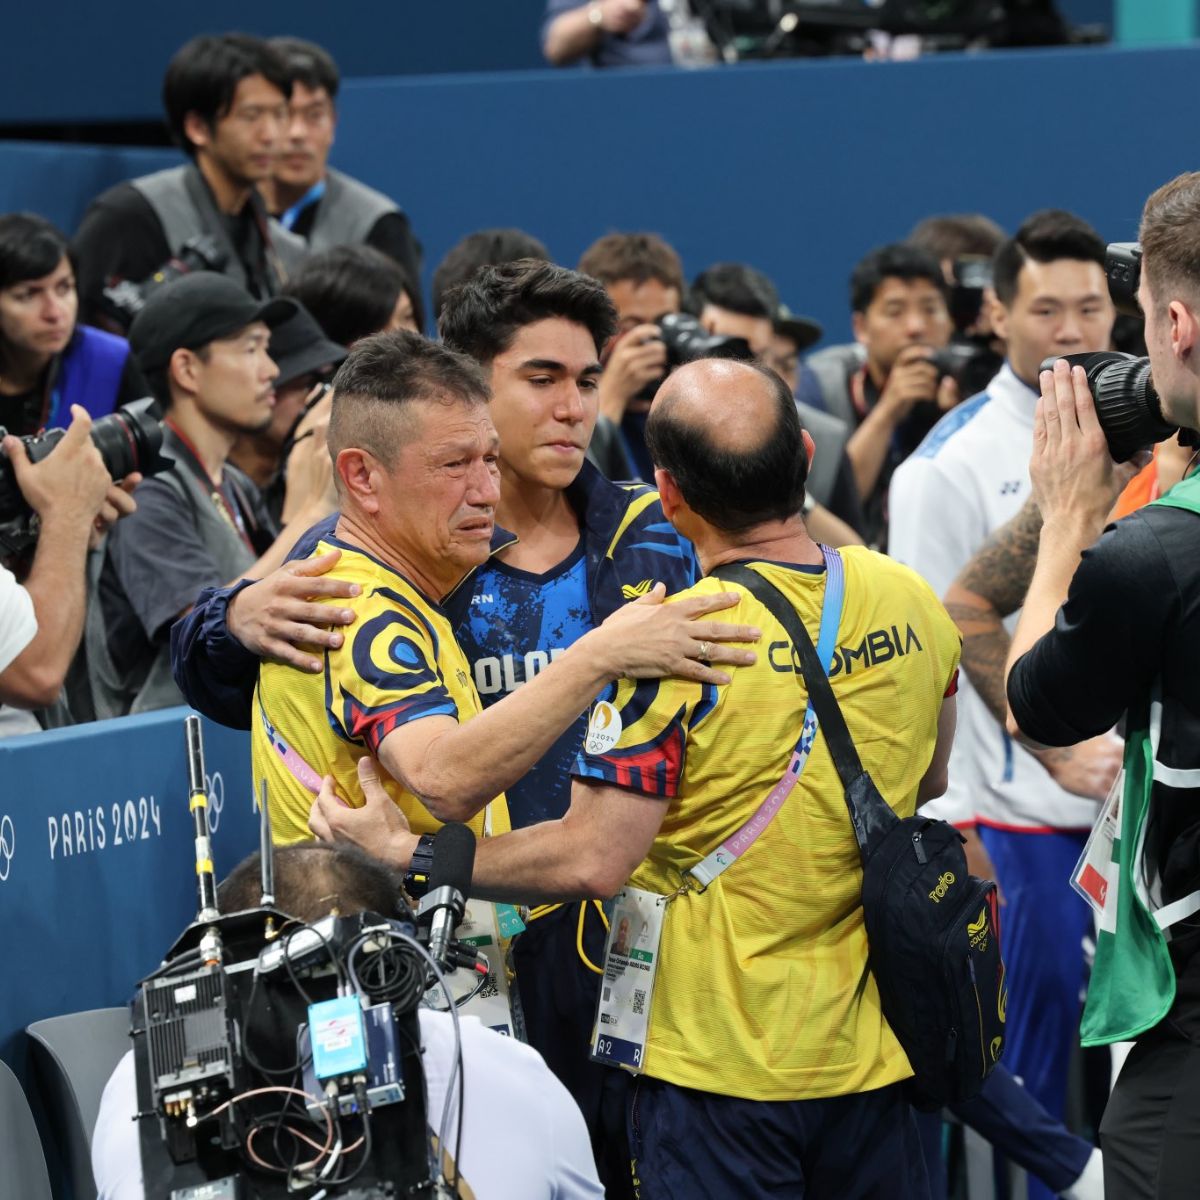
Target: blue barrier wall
{"points": [[97, 874], [102, 62], [106, 69], [798, 168]]}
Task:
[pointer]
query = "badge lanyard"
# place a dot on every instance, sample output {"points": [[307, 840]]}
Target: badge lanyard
{"points": [[631, 955]]}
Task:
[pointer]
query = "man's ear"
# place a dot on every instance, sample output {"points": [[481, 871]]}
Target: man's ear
{"points": [[810, 448], [183, 371], [197, 130], [858, 323], [668, 491], [1185, 329], [998, 314], [358, 470]]}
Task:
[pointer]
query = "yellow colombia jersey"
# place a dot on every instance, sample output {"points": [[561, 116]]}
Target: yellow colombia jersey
{"points": [[763, 990], [399, 662]]}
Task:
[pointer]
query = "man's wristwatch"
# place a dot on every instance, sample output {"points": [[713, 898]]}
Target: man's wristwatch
{"points": [[416, 878], [595, 14]]}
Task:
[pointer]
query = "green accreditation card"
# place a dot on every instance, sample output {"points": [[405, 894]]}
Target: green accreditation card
{"points": [[509, 921]]}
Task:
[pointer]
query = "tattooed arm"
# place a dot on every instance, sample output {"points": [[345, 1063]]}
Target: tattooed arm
{"points": [[990, 587]]}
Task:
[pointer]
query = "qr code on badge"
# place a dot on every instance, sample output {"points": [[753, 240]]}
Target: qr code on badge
{"points": [[488, 990], [639, 1002]]}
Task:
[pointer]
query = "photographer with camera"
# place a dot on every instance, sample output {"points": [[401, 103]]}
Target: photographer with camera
{"points": [[48, 361], [202, 342], [1111, 628], [226, 104], [968, 478], [544, 1156], [889, 388], [41, 617]]}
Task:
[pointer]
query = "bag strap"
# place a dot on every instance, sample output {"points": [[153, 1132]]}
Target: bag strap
{"points": [[870, 815], [820, 694]]}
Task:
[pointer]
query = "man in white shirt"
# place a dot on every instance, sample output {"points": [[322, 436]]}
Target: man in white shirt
{"points": [[523, 1137], [968, 477], [41, 617]]}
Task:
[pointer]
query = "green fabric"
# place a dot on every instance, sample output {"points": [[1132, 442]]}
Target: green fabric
{"points": [[1133, 980]]}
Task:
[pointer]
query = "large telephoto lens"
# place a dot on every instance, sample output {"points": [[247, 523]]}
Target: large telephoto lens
{"points": [[1127, 405], [128, 442]]}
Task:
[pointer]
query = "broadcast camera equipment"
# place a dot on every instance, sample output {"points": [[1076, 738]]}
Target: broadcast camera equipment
{"points": [[123, 299], [128, 441], [1127, 406], [277, 1058]]}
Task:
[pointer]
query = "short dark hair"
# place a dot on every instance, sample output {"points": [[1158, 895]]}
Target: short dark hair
{"points": [[957, 235], [383, 375], [484, 248], [482, 316], [638, 257], [351, 290], [738, 287], [307, 63], [313, 877], [204, 76], [1170, 236], [734, 490], [1045, 237], [30, 247], [896, 261]]}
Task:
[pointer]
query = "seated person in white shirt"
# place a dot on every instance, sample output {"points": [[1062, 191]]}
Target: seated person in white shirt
{"points": [[523, 1137]]}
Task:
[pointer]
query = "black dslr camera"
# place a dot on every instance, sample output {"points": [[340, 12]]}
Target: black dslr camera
{"points": [[128, 441], [1127, 406], [687, 340], [123, 299]]}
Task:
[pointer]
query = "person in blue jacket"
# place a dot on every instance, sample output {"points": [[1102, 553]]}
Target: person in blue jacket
{"points": [[47, 360], [573, 548]]}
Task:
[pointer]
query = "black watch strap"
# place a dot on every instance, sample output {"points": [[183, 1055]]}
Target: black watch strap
{"points": [[416, 878]]}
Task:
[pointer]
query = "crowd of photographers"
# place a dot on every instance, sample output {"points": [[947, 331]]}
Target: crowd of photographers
{"points": [[186, 338]]}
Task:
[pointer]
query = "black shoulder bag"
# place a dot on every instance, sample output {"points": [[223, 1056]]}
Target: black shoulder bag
{"points": [[932, 928]]}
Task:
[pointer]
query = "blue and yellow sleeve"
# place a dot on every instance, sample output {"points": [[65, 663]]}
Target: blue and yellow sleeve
{"points": [[385, 674], [639, 740]]}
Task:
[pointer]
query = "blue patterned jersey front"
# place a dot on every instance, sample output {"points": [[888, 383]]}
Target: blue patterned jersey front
{"points": [[518, 623]]}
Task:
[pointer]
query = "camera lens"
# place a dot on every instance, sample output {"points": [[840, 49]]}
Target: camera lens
{"points": [[1127, 405], [127, 442]]}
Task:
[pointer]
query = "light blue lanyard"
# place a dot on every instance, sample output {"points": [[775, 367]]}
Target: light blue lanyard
{"points": [[733, 847]]}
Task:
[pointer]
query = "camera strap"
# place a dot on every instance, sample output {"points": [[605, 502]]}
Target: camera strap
{"points": [[734, 846], [231, 510]]}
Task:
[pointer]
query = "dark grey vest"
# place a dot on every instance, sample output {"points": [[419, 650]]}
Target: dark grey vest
{"points": [[346, 213], [833, 367], [829, 435], [185, 208]]}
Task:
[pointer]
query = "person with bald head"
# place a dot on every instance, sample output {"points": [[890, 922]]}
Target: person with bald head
{"points": [[744, 1001]]}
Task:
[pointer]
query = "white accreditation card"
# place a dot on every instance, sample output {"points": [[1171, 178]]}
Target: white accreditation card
{"points": [[491, 1004], [630, 965], [1095, 874]]}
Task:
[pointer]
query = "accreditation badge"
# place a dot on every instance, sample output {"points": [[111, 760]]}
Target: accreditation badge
{"points": [[1095, 876], [630, 967], [493, 1002]]}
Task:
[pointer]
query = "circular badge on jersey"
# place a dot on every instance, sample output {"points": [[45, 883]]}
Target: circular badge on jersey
{"points": [[604, 728]]}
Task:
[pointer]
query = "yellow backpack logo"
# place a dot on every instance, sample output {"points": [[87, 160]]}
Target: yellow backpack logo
{"points": [[977, 931], [631, 591], [942, 887]]}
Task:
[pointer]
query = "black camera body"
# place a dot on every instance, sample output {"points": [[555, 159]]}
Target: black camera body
{"points": [[128, 441], [123, 299], [687, 340]]}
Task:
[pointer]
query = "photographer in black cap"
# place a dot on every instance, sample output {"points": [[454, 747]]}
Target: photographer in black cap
{"points": [[202, 344], [1110, 629]]}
